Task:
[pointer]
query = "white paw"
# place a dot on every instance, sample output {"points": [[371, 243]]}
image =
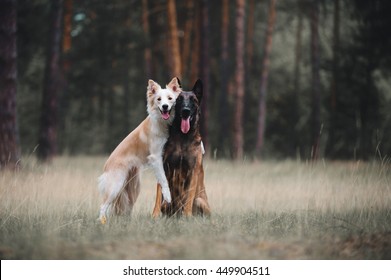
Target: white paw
{"points": [[166, 195], [102, 219]]}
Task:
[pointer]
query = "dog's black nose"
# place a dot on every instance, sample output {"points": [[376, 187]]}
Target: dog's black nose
{"points": [[185, 113], [165, 107]]}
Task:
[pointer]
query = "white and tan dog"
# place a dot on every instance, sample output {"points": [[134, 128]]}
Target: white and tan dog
{"points": [[120, 182]]}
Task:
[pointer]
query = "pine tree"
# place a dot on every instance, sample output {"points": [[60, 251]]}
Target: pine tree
{"points": [[47, 148], [9, 144], [265, 77], [239, 79], [174, 58], [315, 81]]}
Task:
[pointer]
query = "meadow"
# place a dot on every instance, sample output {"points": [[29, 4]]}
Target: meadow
{"points": [[261, 210]]}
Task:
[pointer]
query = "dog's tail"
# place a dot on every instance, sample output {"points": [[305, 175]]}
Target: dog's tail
{"points": [[119, 191], [127, 198]]}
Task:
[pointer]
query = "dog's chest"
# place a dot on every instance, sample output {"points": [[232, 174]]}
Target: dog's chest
{"points": [[180, 157]]}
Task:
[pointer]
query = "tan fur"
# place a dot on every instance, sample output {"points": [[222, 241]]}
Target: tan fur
{"points": [[131, 146], [183, 157], [193, 201], [120, 183]]}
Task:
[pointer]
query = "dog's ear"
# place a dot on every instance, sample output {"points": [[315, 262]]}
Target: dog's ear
{"points": [[179, 82], [153, 87], [197, 89], [175, 85]]}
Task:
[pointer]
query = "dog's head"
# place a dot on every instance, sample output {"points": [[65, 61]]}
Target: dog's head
{"points": [[161, 101], [187, 108]]}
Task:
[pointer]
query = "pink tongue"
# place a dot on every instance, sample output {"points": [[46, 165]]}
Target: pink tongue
{"points": [[185, 125], [165, 115]]}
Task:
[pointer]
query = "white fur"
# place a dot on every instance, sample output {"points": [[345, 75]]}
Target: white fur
{"points": [[155, 159], [116, 180], [202, 148], [113, 181]]}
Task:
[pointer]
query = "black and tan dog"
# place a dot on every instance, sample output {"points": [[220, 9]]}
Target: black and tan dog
{"points": [[182, 157]]}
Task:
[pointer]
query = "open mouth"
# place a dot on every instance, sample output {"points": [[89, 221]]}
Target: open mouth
{"points": [[165, 113], [186, 118], [185, 124]]}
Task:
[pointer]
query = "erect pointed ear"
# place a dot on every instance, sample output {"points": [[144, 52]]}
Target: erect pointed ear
{"points": [[197, 89], [152, 88], [179, 82], [175, 85]]}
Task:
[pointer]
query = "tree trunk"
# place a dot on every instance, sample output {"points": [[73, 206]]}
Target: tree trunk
{"points": [[334, 87], [264, 77], [67, 39], [250, 35], [239, 79], [187, 38], [225, 73], [47, 148], [299, 36], [147, 50], [297, 77], [9, 140], [315, 81], [174, 58], [204, 68], [195, 55], [334, 82]]}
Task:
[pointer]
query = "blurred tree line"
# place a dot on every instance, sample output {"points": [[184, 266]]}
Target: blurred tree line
{"points": [[283, 79]]}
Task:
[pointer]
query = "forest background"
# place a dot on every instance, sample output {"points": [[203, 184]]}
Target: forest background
{"points": [[283, 79]]}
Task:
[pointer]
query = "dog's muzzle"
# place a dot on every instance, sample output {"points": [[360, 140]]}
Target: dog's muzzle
{"points": [[185, 113], [185, 122], [165, 112]]}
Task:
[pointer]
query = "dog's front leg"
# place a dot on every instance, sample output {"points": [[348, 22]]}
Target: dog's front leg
{"points": [[156, 161], [158, 202], [191, 192]]}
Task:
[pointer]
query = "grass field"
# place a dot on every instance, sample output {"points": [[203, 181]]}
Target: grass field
{"points": [[268, 210]]}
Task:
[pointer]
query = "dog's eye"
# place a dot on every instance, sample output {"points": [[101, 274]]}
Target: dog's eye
{"points": [[159, 99], [170, 98]]}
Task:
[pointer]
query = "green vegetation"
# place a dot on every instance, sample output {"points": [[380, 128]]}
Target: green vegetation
{"points": [[265, 210]]}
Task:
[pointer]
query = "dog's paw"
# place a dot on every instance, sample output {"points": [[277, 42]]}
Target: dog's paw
{"points": [[103, 220], [155, 215], [166, 195]]}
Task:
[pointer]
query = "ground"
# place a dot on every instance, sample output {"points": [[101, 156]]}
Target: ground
{"points": [[261, 210]]}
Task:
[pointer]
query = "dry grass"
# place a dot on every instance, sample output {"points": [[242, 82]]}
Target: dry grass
{"points": [[271, 210]]}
